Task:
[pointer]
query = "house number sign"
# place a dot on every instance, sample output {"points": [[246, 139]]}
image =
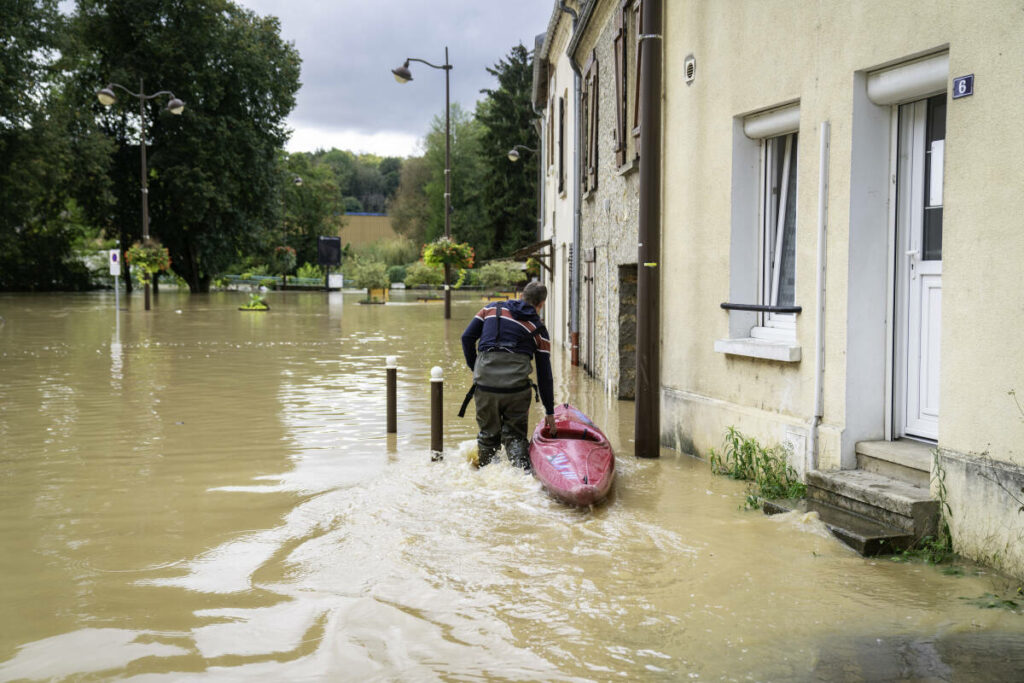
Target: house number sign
{"points": [[963, 86]]}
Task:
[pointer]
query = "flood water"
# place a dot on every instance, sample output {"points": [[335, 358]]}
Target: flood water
{"points": [[199, 492]]}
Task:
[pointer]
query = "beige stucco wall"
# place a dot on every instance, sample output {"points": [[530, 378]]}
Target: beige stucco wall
{"points": [[752, 55], [558, 206], [609, 213]]}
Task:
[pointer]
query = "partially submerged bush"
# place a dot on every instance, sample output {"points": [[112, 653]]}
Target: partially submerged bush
{"points": [[767, 468], [420, 273]]}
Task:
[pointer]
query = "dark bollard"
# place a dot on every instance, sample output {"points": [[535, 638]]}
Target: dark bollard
{"points": [[392, 367], [436, 413]]}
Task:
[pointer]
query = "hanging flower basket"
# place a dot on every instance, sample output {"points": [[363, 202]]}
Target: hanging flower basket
{"points": [[446, 251], [149, 257]]}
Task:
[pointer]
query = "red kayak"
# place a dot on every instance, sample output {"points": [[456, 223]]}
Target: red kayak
{"points": [[577, 465]]}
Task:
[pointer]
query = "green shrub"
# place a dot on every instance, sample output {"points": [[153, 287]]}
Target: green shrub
{"points": [[501, 275], [396, 273], [370, 274], [768, 468], [309, 270], [282, 260], [420, 273]]}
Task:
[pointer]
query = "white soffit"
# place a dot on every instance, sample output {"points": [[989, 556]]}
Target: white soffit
{"points": [[772, 123], [909, 82]]}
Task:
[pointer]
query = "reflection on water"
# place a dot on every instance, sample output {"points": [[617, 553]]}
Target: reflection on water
{"points": [[206, 492]]}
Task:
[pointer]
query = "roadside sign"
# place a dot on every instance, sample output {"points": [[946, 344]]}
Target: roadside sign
{"points": [[115, 262]]}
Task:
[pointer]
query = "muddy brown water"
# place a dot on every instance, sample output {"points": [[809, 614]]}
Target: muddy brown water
{"points": [[199, 492]]}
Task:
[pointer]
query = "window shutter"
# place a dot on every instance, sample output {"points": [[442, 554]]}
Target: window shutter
{"points": [[595, 107], [620, 87], [587, 131], [909, 82], [639, 57]]}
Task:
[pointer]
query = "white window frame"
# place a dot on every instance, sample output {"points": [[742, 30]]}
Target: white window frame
{"points": [[781, 326]]}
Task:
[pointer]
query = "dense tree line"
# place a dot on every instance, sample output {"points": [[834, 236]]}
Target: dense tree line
{"points": [[223, 192]]}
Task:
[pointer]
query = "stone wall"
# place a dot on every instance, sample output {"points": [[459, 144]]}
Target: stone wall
{"points": [[609, 220]]}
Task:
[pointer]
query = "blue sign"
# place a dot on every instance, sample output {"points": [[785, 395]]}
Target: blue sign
{"points": [[963, 86]]}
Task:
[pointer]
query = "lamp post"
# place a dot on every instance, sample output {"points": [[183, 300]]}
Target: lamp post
{"points": [[175, 106], [513, 156], [403, 75]]}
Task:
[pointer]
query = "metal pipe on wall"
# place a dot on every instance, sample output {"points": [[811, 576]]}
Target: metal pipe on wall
{"points": [[819, 327], [647, 423]]}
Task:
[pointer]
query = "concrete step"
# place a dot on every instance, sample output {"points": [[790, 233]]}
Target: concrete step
{"points": [[906, 460], [865, 536], [888, 501]]}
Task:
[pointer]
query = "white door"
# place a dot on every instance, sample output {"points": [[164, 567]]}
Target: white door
{"points": [[922, 133]]}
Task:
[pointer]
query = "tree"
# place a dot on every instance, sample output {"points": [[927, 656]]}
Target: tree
{"points": [[466, 168], [214, 176], [47, 149], [409, 209], [508, 190], [313, 208]]}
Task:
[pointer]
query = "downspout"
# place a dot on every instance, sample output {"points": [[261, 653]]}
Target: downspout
{"points": [[647, 424], [819, 331], [574, 266]]}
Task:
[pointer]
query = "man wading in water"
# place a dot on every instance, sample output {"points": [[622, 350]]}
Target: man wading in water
{"points": [[510, 335]]}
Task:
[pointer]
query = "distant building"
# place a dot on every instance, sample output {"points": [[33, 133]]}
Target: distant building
{"points": [[362, 229]]}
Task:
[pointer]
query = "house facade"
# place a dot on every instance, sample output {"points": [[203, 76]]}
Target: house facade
{"points": [[605, 49], [841, 241], [554, 99], [842, 245]]}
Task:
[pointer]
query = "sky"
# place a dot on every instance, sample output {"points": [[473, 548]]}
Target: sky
{"points": [[349, 98]]}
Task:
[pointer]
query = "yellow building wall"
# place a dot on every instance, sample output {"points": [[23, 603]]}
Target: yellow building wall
{"points": [[752, 55], [363, 230]]}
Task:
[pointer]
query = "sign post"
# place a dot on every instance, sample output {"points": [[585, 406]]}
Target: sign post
{"points": [[115, 270]]}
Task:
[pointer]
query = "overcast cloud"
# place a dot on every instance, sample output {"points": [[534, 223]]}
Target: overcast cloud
{"points": [[350, 100]]}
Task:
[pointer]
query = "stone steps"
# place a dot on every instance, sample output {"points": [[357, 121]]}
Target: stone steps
{"points": [[905, 460], [865, 536], [877, 497]]}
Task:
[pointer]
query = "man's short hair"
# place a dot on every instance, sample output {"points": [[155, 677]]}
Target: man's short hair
{"points": [[535, 293]]}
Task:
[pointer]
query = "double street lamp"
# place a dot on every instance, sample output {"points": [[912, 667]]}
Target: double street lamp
{"points": [[403, 75], [175, 106]]}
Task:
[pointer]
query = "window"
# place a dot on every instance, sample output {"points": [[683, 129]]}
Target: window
{"points": [[777, 235], [591, 105], [762, 240], [627, 91], [551, 126], [561, 145]]}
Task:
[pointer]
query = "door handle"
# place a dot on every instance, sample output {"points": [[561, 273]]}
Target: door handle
{"points": [[912, 256]]}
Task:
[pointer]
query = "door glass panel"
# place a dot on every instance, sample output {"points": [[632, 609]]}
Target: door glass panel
{"points": [[935, 138]]}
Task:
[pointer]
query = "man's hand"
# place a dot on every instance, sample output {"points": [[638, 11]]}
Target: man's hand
{"points": [[549, 420]]}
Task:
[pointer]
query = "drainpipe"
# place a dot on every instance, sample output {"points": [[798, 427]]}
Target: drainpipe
{"points": [[574, 270], [819, 331], [647, 423]]}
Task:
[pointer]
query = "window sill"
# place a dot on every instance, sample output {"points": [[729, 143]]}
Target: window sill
{"points": [[783, 351], [628, 167]]}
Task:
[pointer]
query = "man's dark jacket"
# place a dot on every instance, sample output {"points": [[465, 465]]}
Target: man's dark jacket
{"points": [[520, 331]]}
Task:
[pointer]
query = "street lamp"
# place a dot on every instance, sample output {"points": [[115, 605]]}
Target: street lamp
{"points": [[403, 75], [175, 106], [513, 154]]}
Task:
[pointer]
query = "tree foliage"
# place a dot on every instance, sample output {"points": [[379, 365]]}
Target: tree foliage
{"points": [[213, 171], [48, 150], [508, 189]]}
